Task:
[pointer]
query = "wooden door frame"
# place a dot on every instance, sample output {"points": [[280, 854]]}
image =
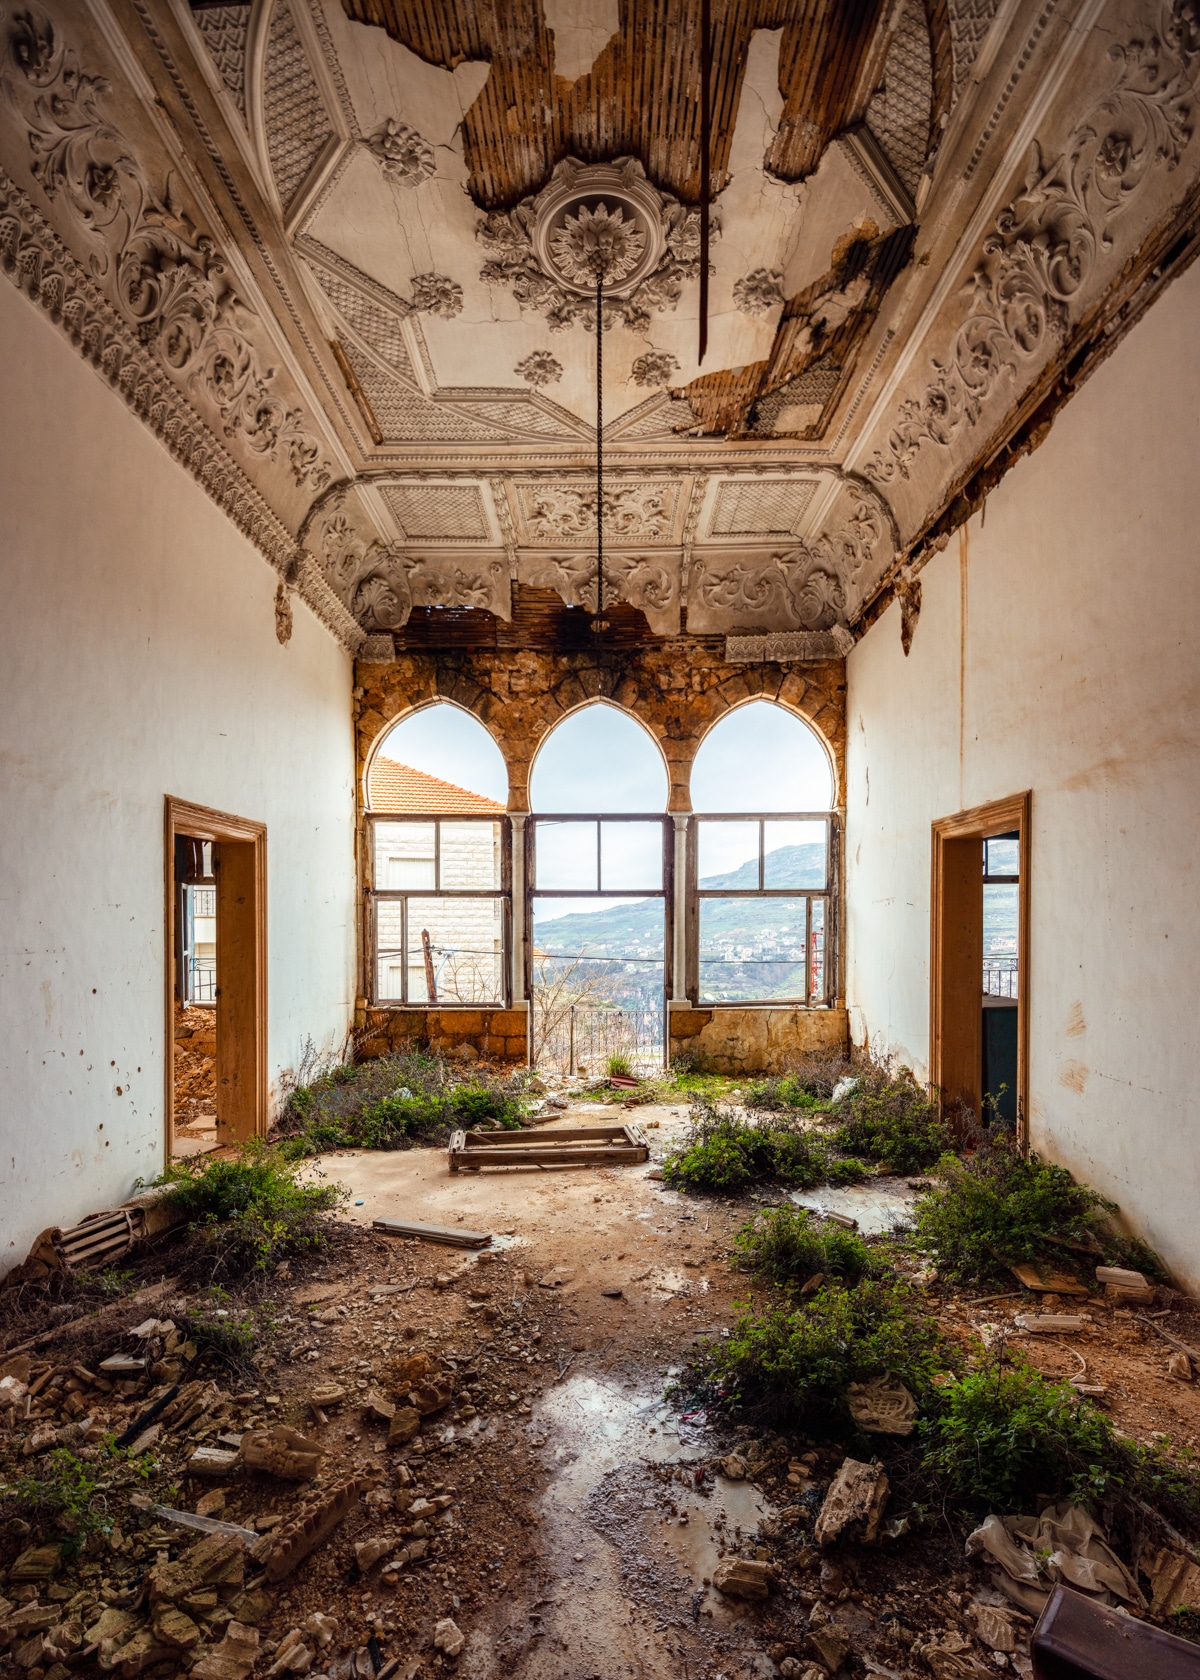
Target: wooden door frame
{"points": [[979, 823], [201, 822]]}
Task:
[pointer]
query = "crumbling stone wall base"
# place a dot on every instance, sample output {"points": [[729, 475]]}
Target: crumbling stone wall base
{"points": [[758, 1040]]}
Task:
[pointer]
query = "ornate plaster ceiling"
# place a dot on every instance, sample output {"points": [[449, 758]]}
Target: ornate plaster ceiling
{"points": [[337, 257]]}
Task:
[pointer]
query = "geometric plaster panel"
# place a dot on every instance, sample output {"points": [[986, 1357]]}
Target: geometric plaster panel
{"points": [[293, 111], [759, 507], [225, 29], [438, 512], [899, 114]]}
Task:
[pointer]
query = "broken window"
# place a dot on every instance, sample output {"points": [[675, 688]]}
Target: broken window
{"points": [[439, 908], [762, 908]]}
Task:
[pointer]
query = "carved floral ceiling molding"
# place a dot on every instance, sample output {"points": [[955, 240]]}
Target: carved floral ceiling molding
{"points": [[123, 224], [1075, 224], [151, 304], [547, 248], [815, 585]]}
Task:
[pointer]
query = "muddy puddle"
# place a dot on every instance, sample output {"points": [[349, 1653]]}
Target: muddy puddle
{"points": [[631, 1528], [879, 1206]]}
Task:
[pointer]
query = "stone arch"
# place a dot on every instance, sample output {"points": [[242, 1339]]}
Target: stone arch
{"points": [[424, 705], [587, 705], [792, 711], [676, 688]]}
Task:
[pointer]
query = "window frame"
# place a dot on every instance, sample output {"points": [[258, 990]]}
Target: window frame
{"points": [[375, 895], [665, 892], [829, 894]]}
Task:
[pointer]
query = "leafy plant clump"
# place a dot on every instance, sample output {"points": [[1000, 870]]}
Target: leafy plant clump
{"points": [[889, 1118], [250, 1211], [808, 1086], [395, 1102], [787, 1246], [1006, 1439], [618, 1065], [997, 1207], [726, 1153], [794, 1366]]}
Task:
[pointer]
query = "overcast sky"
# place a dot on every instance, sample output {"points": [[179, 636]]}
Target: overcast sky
{"points": [[758, 758]]}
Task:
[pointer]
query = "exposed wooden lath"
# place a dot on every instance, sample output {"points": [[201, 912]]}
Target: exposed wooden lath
{"points": [[540, 620], [642, 96], [815, 327]]}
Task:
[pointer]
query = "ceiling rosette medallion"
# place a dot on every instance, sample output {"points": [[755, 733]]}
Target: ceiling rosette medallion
{"points": [[605, 215]]}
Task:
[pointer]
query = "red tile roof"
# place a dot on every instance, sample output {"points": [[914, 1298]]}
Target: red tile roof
{"points": [[397, 788]]}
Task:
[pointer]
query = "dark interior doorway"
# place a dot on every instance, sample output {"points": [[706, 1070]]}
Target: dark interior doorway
{"points": [[979, 968], [216, 1086]]}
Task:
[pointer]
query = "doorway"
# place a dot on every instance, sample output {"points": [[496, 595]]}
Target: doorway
{"points": [[216, 1062], [979, 967]]}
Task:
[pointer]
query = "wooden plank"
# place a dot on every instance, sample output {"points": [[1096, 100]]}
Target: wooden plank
{"points": [[458, 1142], [517, 1140], [614, 1155], [453, 1236], [239, 987]]}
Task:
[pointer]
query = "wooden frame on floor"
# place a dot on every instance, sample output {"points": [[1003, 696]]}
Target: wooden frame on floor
{"points": [[956, 953], [242, 970]]}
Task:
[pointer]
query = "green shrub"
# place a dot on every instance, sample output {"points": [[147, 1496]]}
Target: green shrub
{"points": [[394, 1102], [889, 1118], [782, 1091], [1004, 1439], [997, 1207], [794, 1366], [788, 1245], [250, 1211], [618, 1065], [726, 1152]]}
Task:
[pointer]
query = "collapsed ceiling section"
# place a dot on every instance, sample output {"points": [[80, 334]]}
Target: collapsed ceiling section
{"points": [[341, 258]]}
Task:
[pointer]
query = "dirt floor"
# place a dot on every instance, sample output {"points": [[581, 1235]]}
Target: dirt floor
{"points": [[567, 1510]]}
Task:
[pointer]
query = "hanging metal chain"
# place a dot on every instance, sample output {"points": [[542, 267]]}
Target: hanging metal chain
{"points": [[599, 624]]}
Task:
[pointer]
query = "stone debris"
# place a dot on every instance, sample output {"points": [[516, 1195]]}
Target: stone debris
{"points": [[1125, 1288], [322, 1628], [212, 1461], [233, 1658], [1044, 1280], [743, 1578], [1179, 1366], [294, 1540], [327, 1395], [556, 1279], [950, 1657], [1174, 1582], [831, 1645], [734, 1468], [39, 1563], [883, 1407], [368, 1552], [855, 1502], [448, 1637], [995, 1626], [1051, 1324], [282, 1451], [405, 1423], [292, 1655]]}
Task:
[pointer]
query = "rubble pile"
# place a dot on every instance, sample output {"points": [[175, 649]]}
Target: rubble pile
{"points": [[223, 1527]]}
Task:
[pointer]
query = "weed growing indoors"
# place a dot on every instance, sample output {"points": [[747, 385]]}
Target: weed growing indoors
{"points": [[888, 1118], [250, 1211], [726, 1153], [788, 1245]]}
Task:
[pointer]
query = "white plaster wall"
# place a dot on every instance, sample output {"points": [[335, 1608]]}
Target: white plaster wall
{"points": [[138, 658], [1057, 650]]}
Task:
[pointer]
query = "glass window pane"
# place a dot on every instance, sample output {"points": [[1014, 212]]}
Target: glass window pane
{"points": [[389, 953], [727, 855], [631, 856], [1001, 907], [404, 855], [470, 856], [816, 952], [457, 944], [795, 854], [1001, 856], [752, 948], [565, 856]]}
